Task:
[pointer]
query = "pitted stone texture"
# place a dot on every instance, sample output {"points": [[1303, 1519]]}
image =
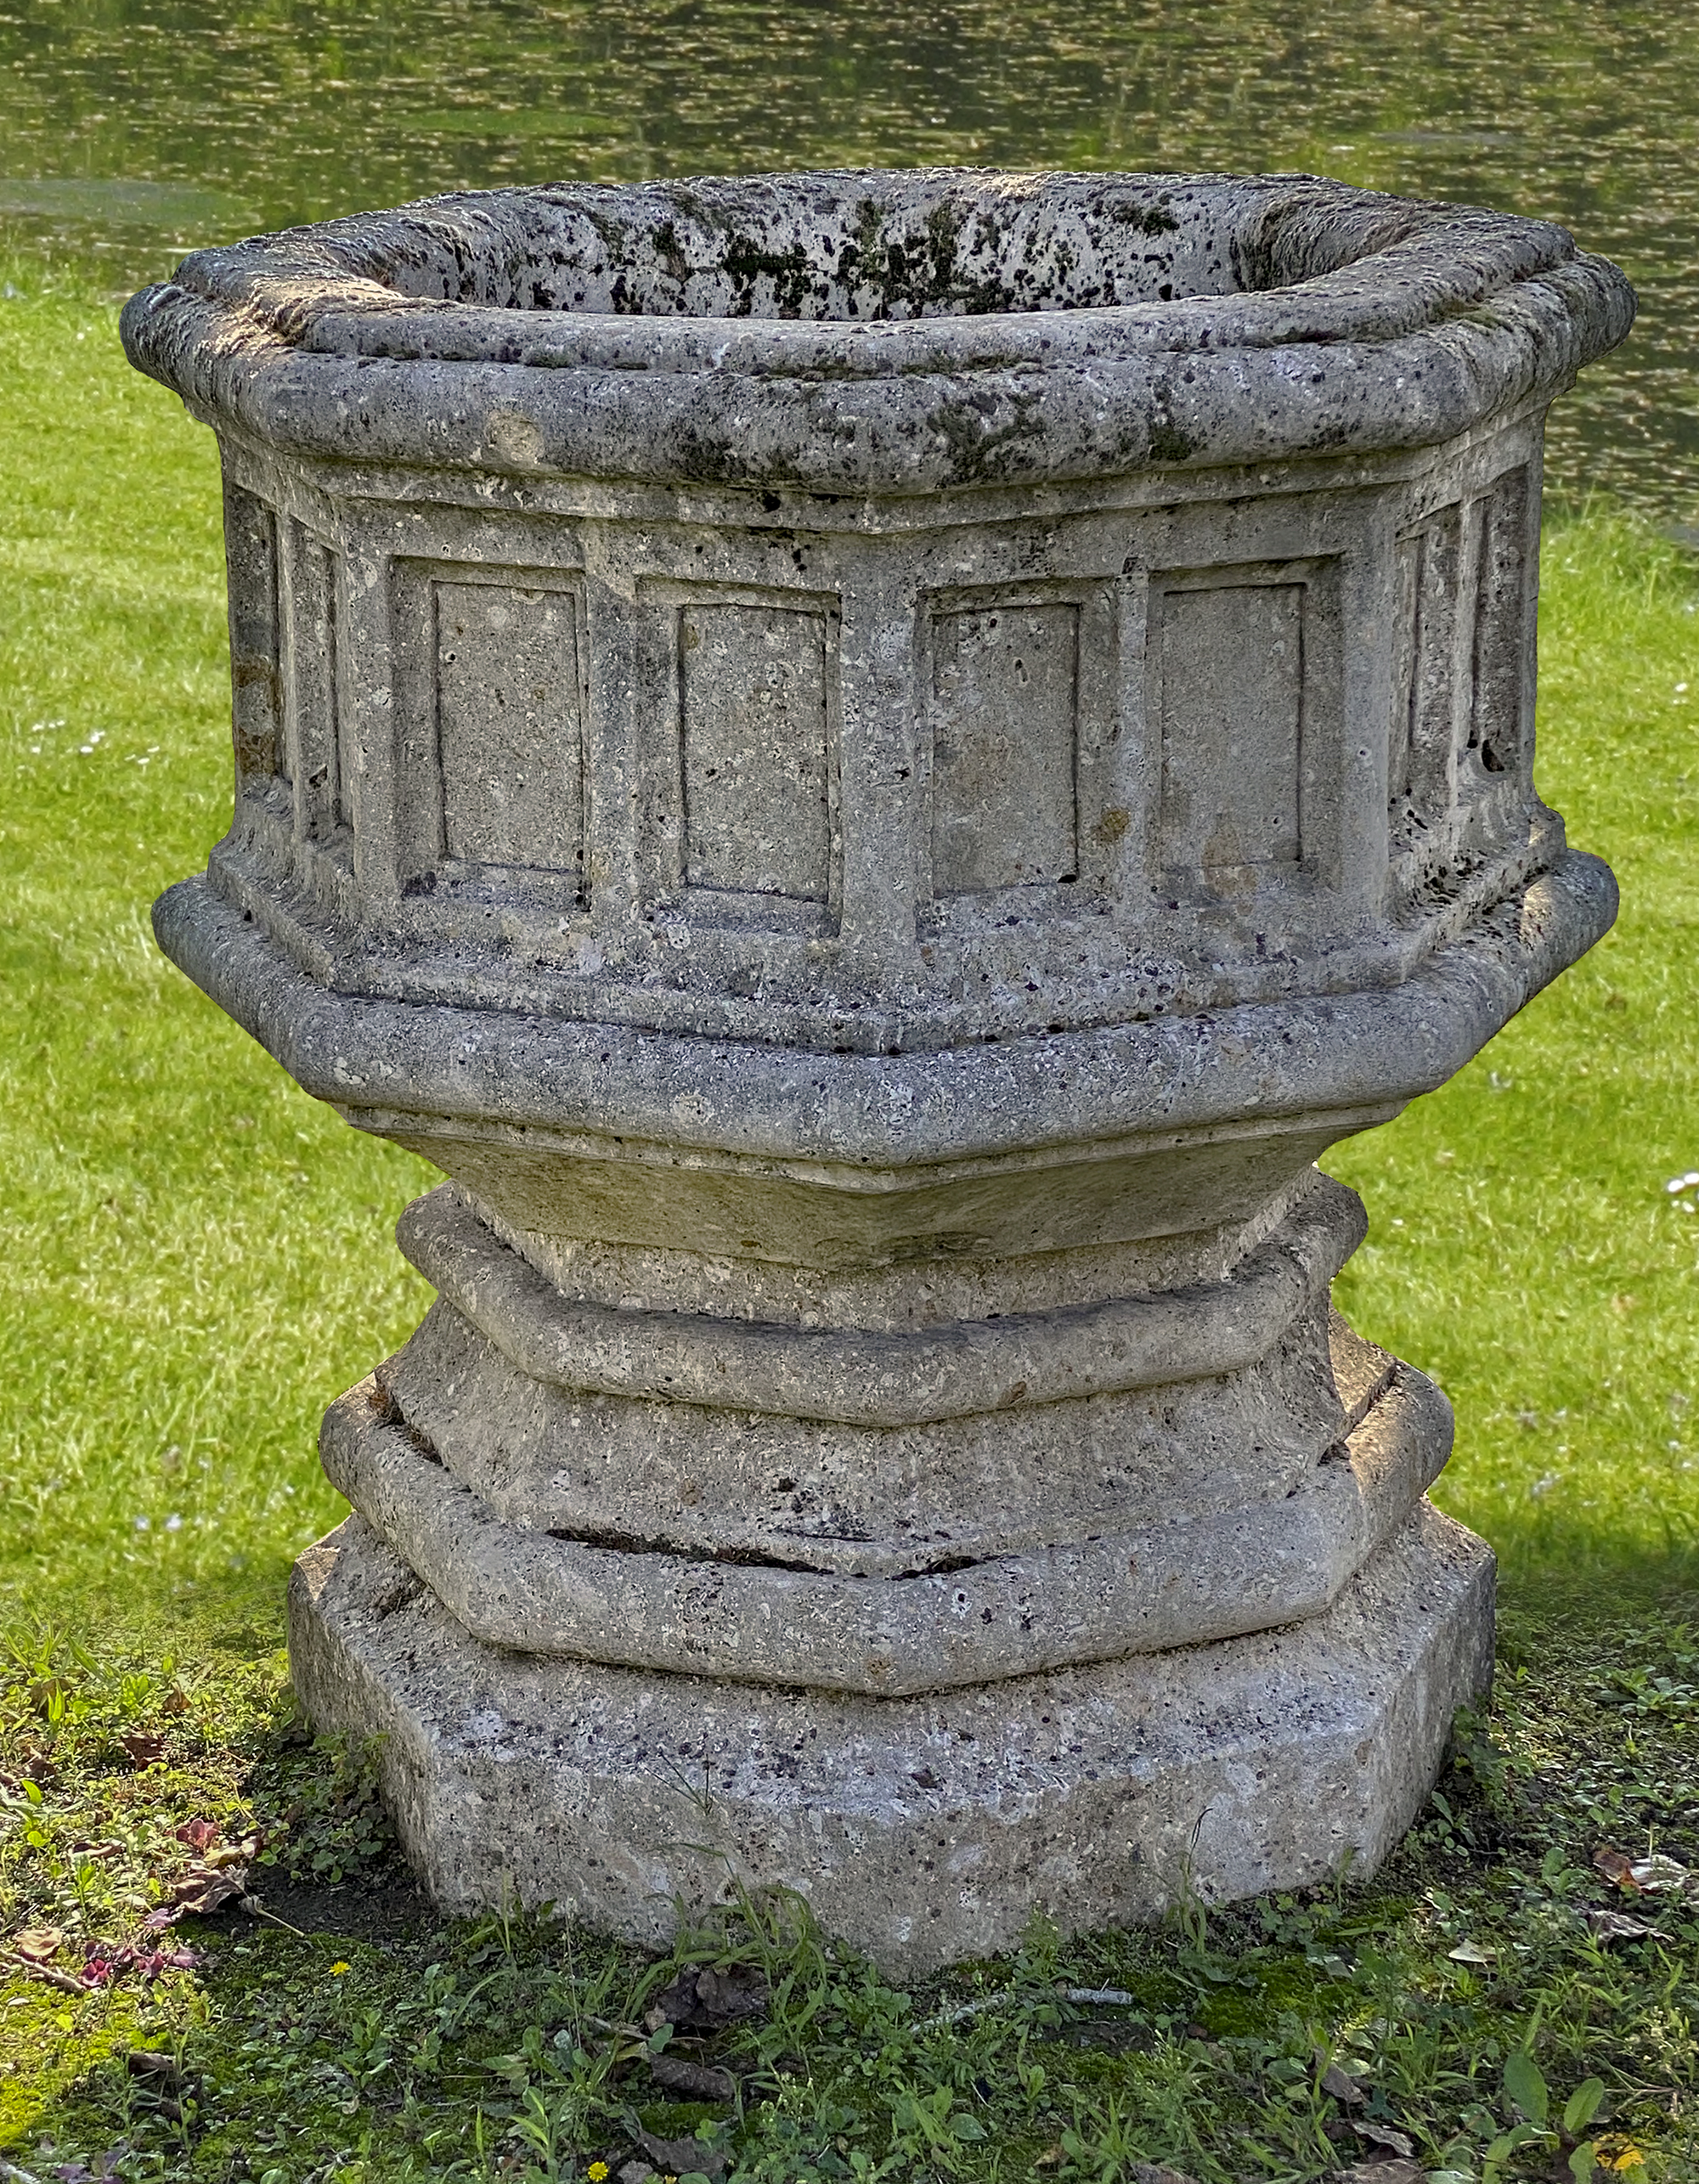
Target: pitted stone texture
{"points": [[927, 1829], [903, 1296], [1069, 325], [875, 766], [864, 1510], [1164, 646], [817, 1493], [738, 1610], [873, 1376], [882, 1453]]}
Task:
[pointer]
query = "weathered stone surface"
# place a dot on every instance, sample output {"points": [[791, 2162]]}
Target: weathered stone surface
{"points": [[620, 1597], [927, 1827], [883, 333], [875, 766]]}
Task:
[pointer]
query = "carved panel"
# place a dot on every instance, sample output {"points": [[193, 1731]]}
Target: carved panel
{"points": [[1228, 661], [255, 638], [1499, 681], [756, 757], [322, 767], [1420, 756], [1004, 702], [510, 725]]}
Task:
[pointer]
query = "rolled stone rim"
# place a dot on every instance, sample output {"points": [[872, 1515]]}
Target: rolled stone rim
{"points": [[882, 333]]}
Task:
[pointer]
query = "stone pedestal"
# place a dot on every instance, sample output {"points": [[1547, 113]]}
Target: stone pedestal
{"points": [[874, 766]]}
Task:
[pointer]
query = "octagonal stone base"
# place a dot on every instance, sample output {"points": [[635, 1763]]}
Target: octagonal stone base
{"points": [[923, 1829]]}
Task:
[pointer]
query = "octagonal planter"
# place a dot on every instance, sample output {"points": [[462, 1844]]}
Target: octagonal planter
{"points": [[874, 765]]}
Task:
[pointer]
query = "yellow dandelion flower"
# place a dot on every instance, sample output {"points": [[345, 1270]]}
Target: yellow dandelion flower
{"points": [[596, 2171], [339, 1968], [1629, 2157]]}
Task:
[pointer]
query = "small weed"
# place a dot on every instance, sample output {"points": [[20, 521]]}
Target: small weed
{"points": [[1473, 2002]]}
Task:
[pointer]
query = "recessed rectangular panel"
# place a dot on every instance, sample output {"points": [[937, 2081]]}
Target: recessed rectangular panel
{"points": [[756, 756], [1423, 728], [1232, 709], [1499, 667], [320, 762], [1005, 709], [256, 649], [510, 725]]}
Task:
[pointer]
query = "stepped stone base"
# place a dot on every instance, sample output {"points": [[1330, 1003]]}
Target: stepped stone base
{"points": [[924, 1830]]}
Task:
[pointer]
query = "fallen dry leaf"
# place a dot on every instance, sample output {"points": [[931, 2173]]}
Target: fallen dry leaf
{"points": [[198, 1834], [204, 1888], [79, 2172], [1616, 1926], [1616, 1865], [1394, 2171], [678, 2156], [1342, 2085], [692, 2081], [40, 1944], [1659, 1876], [142, 1747], [1383, 2134], [1153, 2172], [704, 2001], [147, 2062], [1467, 1952]]}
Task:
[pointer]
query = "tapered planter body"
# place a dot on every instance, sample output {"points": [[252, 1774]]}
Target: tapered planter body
{"points": [[874, 765]]}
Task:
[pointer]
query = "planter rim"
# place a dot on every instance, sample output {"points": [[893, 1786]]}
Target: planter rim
{"points": [[1342, 320]]}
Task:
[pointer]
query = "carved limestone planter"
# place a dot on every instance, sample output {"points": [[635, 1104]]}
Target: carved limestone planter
{"points": [[874, 765]]}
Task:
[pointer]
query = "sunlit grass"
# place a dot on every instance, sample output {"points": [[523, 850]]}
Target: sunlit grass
{"points": [[196, 1258], [1541, 1270], [198, 1255]]}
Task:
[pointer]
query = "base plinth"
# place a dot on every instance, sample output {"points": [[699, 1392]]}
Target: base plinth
{"points": [[923, 1829]]}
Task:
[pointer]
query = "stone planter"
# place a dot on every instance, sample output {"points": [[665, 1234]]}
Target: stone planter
{"points": [[874, 765]]}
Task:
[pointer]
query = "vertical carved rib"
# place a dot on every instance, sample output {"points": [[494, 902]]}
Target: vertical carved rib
{"points": [[315, 726]]}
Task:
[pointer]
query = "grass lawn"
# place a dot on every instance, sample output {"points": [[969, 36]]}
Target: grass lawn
{"points": [[196, 1259]]}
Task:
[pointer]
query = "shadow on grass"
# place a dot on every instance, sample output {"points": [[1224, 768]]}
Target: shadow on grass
{"points": [[341, 2027]]}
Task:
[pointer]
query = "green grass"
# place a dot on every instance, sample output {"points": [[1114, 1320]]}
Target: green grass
{"points": [[1524, 1248], [195, 1252], [196, 1259]]}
